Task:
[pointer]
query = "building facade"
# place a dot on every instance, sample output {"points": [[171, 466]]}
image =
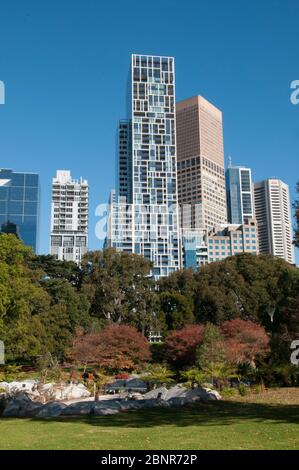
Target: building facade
{"points": [[200, 163], [232, 239], [147, 179], [200, 247], [273, 215], [239, 193], [194, 248], [69, 217], [19, 205]]}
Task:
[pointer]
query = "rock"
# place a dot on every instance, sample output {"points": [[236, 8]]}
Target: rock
{"points": [[160, 392], [51, 409], [178, 401], [21, 406], [113, 404], [64, 392], [43, 392], [13, 388], [78, 409], [176, 391], [137, 396]]}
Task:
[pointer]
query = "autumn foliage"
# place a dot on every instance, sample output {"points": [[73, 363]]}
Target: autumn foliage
{"points": [[245, 341], [114, 348], [180, 346]]}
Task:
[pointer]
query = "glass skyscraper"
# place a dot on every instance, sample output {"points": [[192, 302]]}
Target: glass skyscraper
{"points": [[147, 186], [239, 192], [19, 205]]}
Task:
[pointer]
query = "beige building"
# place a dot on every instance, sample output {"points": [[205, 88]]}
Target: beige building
{"points": [[232, 239], [274, 218], [200, 164]]}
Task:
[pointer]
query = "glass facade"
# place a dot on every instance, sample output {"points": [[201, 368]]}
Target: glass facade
{"points": [[19, 205], [147, 168], [239, 192]]}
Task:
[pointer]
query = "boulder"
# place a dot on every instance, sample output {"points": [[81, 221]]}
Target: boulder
{"points": [[13, 388], [160, 392], [78, 409], [51, 409], [178, 401], [176, 391], [113, 404], [21, 406], [196, 394]]}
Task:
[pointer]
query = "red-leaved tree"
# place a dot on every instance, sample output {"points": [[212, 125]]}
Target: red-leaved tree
{"points": [[114, 348], [245, 341], [180, 345]]}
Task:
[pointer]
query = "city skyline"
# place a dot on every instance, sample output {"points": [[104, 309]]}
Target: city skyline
{"points": [[75, 130]]}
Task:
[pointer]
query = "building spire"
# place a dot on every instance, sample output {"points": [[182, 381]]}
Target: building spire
{"points": [[229, 161]]}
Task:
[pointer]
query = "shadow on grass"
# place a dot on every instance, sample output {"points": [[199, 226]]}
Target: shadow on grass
{"points": [[212, 414]]}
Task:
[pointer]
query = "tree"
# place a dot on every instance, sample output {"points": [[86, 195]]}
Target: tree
{"points": [[118, 287], [180, 346], [176, 308], [52, 268], [245, 341], [296, 207], [158, 374], [75, 303], [212, 356], [243, 286], [22, 300], [114, 348]]}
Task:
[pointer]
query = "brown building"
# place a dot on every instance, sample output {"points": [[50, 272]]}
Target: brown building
{"points": [[200, 164]]}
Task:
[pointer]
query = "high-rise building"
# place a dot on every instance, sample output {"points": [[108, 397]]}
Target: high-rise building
{"points": [[69, 217], [124, 167], [200, 163], [273, 215], [194, 248], [239, 193], [19, 205], [147, 186], [232, 239]]}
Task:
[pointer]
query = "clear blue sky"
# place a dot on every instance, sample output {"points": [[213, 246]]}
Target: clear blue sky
{"points": [[65, 67]]}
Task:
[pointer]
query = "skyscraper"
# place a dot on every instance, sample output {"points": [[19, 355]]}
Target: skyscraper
{"points": [[200, 162], [19, 205], [239, 193], [69, 217], [273, 215], [147, 185]]}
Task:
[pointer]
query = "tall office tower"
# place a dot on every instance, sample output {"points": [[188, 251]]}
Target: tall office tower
{"points": [[19, 205], [200, 162], [273, 215], [124, 167], [147, 168], [239, 193], [69, 217]]}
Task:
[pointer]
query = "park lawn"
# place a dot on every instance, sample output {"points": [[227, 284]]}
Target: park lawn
{"points": [[266, 421]]}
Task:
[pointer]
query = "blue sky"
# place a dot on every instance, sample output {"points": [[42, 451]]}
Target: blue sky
{"points": [[65, 67]]}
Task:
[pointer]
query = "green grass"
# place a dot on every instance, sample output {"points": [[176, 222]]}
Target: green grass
{"points": [[266, 421]]}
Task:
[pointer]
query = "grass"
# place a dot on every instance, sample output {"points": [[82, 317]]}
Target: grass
{"points": [[266, 421]]}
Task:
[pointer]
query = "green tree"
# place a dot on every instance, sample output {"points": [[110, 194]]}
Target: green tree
{"points": [[118, 286], [212, 356], [176, 309], [244, 286]]}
